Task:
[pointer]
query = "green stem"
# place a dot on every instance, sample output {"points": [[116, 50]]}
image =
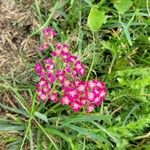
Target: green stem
{"points": [[29, 123], [111, 65], [90, 68]]}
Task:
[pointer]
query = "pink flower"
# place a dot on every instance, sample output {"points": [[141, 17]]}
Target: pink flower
{"points": [[91, 84], [38, 68], [81, 86], [58, 46], [74, 74], [42, 95], [65, 56], [46, 89], [43, 82], [65, 100], [68, 68], [79, 68], [90, 108], [90, 96], [66, 83], [54, 54], [72, 94], [81, 71], [48, 61], [96, 92], [57, 52], [102, 94], [78, 65], [83, 102], [49, 68], [60, 75], [43, 74], [100, 84], [43, 47], [65, 48], [73, 58], [51, 77], [75, 106], [53, 97], [97, 101], [49, 32]]}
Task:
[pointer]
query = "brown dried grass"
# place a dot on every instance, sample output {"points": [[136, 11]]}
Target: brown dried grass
{"points": [[16, 22]]}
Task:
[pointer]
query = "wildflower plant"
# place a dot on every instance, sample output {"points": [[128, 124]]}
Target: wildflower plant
{"points": [[60, 78]]}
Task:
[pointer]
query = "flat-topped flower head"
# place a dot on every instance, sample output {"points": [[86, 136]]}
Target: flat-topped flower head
{"points": [[60, 78]]}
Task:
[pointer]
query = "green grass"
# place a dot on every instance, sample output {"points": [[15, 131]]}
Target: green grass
{"points": [[118, 54]]}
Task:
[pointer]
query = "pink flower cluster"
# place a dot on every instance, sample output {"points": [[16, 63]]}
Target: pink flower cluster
{"points": [[48, 33], [60, 81]]}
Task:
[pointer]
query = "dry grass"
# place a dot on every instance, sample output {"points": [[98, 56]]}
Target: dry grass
{"points": [[16, 22]]}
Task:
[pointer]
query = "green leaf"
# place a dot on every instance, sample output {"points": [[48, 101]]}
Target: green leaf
{"points": [[89, 133], [122, 5], [60, 134], [18, 111], [112, 136], [127, 33], [41, 116], [12, 127], [84, 118], [96, 18]]}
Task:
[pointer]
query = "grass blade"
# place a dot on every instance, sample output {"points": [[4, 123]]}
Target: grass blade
{"points": [[60, 134], [126, 31], [37, 5], [5, 127], [30, 119], [48, 20], [41, 116], [84, 118]]}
